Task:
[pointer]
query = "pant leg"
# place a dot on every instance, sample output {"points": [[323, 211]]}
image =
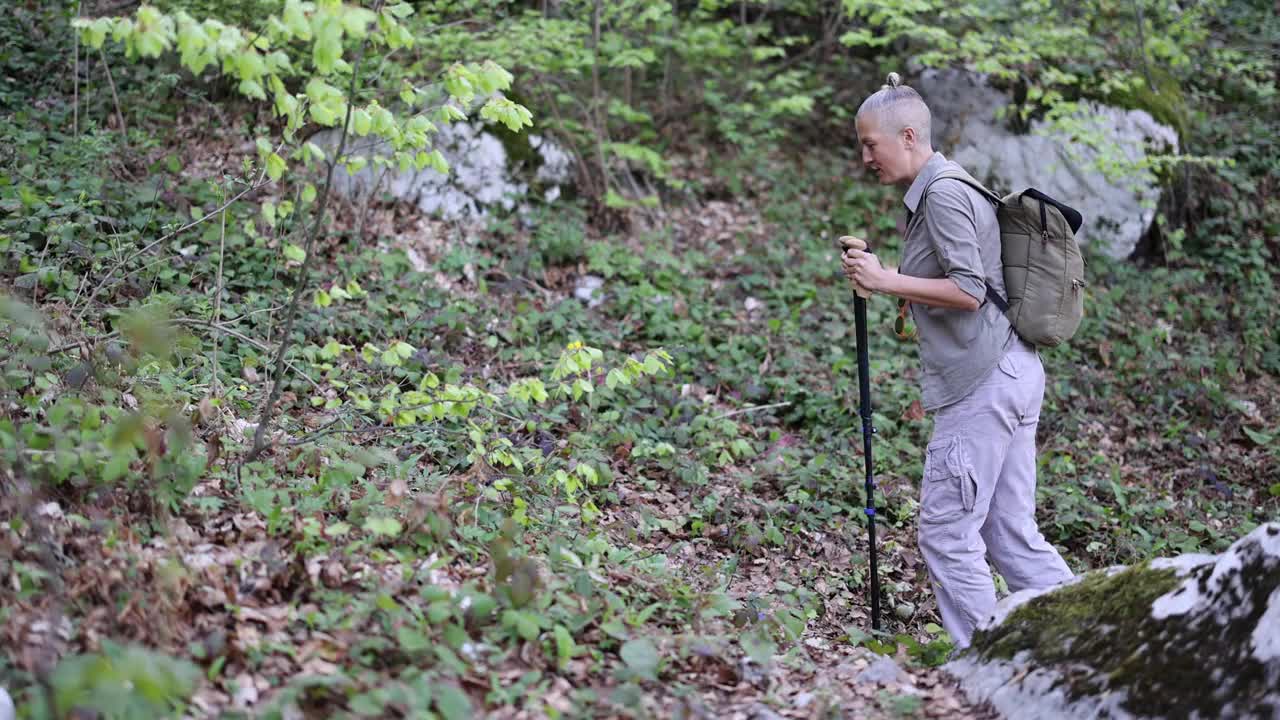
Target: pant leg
{"points": [[1014, 542], [962, 464]]}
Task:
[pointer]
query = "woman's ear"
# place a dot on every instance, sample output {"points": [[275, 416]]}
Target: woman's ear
{"points": [[909, 137]]}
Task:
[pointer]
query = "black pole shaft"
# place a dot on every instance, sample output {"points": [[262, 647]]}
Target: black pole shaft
{"points": [[864, 409]]}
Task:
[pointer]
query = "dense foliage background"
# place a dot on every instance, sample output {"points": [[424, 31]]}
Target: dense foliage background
{"points": [[252, 460]]}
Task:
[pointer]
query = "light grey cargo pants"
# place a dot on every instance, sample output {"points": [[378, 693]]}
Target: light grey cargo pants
{"points": [[978, 495]]}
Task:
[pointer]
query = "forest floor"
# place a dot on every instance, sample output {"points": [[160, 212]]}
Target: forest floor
{"points": [[722, 571]]}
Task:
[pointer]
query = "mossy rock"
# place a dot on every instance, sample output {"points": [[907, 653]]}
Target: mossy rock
{"points": [[1162, 96], [1197, 636]]}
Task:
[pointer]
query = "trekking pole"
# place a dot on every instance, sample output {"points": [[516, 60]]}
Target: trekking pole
{"points": [[864, 409]]}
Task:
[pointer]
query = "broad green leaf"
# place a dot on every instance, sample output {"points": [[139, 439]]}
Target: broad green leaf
{"points": [[328, 46], [412, 640], [401, 9], [295, 20], [294, 253], [452, 703], [564, 645], [361, 122], [275, 166], [641, 656], [387, 526], [356, 21]]}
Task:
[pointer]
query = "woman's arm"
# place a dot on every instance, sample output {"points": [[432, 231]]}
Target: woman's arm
{"points": [[865, 269]]}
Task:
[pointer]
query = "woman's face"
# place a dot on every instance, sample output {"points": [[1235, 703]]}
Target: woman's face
{"points": [[888, 155]]}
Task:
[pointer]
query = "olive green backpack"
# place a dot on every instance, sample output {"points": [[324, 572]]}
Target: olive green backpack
{"points": [[1043, 268]]}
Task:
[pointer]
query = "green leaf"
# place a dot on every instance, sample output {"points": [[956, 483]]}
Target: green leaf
{"points": [[294, 253], [1260, 438], [564, 645], [308, 193], [328, 46], [526, 626], [652, 365], [615, 378], [387, 526], [252, 89], [361, 122], [356, 21], [412, 640], [295, 21], [642, 657], [403, 349], [323, 299], [453, 704], [118, 465], [269, 212], [400, 10], [275, 166]]}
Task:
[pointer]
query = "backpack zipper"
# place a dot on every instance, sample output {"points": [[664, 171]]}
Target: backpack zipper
{"points": [[1044, 223]]}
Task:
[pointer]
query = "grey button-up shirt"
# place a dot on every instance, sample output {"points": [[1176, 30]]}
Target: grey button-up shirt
{"points": [[956, 236]]}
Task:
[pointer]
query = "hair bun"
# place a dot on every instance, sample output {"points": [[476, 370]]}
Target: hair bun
{"points": [[894, 80]]}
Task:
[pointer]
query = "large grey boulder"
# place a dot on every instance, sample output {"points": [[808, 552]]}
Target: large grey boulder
{"points": [[1118, 207], [1197, 636], [482, 175]]}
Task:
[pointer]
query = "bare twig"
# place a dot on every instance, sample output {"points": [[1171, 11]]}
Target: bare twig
{"points": [[373, 429], [124, 129], [217, 296], [300, 288], [257, 183], [752, 408], [223, 327], [75, 81]]}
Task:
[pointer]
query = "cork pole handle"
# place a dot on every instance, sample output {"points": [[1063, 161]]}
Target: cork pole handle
{"points": [[849, 242]]}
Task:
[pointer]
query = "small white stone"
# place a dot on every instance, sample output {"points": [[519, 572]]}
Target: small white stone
{"points": [[587, 290], [7, 710]]}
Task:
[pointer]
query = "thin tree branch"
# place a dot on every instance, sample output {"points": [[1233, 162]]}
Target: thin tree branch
{"points": [[753, 408], [124, 129], [300, 288], [222, 327], [217, 296], [75, 81], [257, 183]]}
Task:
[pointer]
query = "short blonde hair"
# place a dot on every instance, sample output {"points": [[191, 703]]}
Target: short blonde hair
{"points": [[896, 106]]}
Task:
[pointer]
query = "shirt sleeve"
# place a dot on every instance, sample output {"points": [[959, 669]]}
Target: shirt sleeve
{"points": [[951, 225]]}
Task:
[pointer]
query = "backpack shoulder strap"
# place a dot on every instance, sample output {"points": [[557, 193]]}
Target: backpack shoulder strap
{"points": [[962, 177], [992, 295]]}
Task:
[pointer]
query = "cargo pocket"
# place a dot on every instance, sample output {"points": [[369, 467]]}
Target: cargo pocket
{"points": [[949, 490]]}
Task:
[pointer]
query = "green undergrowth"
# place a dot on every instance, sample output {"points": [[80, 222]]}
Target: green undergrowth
{"points": [[482, 488]]}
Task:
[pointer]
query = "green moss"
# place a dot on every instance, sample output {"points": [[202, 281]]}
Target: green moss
{"points": [[1100, 636], [1162, 97], [520, 152], [1050, 624]]}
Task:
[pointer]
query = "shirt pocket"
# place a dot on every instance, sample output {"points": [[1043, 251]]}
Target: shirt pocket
{"points": [[949, 490]]}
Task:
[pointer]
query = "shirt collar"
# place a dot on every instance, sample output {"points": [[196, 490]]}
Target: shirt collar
{"points": [[926, 176]]}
